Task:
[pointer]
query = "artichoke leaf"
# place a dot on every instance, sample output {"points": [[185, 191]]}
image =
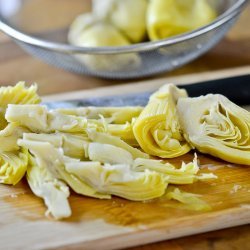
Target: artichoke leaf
{"points": [[216, 126], [157, 129]]}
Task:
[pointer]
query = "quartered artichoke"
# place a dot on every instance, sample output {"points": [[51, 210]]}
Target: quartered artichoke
{"points": [[128, 16], [157, 129], [167, 18], [216, 126]]}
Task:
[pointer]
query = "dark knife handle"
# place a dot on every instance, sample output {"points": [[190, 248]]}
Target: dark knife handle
{"points": [[236, 88]]}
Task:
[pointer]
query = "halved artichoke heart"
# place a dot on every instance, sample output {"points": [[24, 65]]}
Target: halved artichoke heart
{"points": [[216, 126], [157, 129]]}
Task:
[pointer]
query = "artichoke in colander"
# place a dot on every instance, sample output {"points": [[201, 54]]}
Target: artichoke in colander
{"points": [[128, 16], [167, 18], [88, 31]]}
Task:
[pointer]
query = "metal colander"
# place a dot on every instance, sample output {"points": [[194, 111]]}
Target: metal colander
{"points": [[138, 60]]}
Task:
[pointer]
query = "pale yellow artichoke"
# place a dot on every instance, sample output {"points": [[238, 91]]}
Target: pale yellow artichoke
{"points": [[216, 126], [167, 18], [157, 129]]}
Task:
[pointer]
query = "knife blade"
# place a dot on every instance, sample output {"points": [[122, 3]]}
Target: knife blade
{"points": [[236, 88]]}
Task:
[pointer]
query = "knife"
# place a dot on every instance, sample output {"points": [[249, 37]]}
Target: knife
{"points": [[236, 88]]}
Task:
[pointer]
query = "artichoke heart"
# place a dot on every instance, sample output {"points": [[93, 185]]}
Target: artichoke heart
{"points": [[120, 180], [18, 94], [167, 18], [157, 129], [54, 192], [216, 126], [88, 31]]}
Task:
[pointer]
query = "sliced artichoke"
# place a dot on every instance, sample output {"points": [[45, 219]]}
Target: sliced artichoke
{"points": [[128, 16], [167, 18], [216, 126], [54, 192], [120, 180], [157, 129], [53, 159], [38, 118], [18, 94]]}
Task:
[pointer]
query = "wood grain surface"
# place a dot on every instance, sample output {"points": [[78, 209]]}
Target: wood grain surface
{"points": [[233, 51]]}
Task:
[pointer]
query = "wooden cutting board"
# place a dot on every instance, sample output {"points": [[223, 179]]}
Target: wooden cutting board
{"points": [[118, 223]]}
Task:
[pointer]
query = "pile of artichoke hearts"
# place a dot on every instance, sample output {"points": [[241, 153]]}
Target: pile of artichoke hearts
{"points": [[122, 151]]}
